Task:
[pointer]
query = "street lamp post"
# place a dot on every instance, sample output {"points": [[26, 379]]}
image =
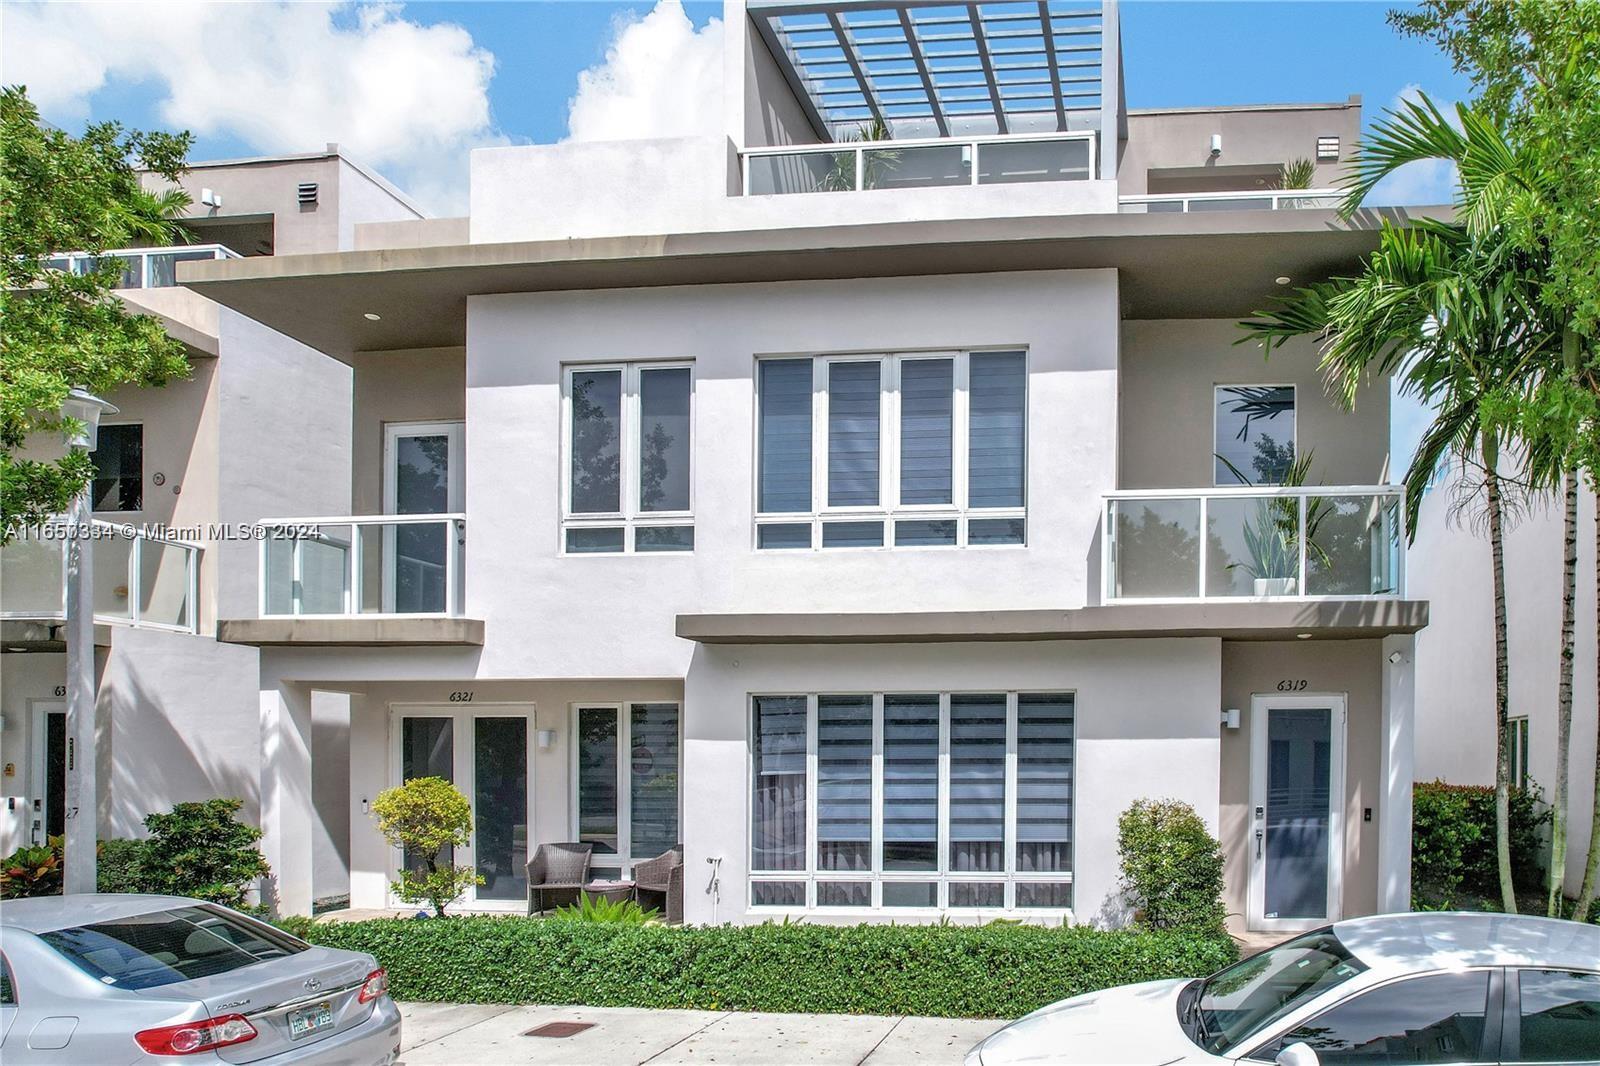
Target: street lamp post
{"points": [[82, 798]]}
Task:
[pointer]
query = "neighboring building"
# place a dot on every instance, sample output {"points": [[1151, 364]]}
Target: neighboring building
{"points": [[1455, 656], [261, 424], [834, 508]]}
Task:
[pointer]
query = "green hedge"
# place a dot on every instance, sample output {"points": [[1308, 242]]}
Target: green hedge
{"points": [[998, 971], [1453, 842]]}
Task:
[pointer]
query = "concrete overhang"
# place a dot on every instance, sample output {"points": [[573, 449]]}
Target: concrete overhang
{"points": [[366, 632], [1172, 265], [1255, 620]]}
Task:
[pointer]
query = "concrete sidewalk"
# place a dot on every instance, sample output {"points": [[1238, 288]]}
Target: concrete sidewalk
{"points": [[437, 1034]]}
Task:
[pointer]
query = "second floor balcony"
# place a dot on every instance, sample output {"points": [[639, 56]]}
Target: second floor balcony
{"points": [[344, 567], [1323, 542], [1241, 200], [858, 166], [143, 268], [139, 578]]}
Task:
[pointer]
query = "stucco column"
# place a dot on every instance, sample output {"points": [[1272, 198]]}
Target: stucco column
{"points": [[1397, 770], [372, 862], [287, 810]]}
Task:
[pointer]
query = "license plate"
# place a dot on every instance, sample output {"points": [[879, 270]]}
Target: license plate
{"points": [[310, 1019]]}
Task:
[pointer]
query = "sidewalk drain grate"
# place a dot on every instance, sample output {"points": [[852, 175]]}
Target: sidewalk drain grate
{"points": [[559, 1030]]}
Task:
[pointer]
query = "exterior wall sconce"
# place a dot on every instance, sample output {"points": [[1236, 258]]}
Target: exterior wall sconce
{"points": [[1216, 144], [547, 739], [1230, 718]]}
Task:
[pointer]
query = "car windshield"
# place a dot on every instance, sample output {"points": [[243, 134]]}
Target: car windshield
{"points": [[1234, 1004], [164, 947]]}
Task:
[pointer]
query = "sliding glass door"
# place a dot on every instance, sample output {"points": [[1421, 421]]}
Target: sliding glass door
{"points": [[625, 780]]}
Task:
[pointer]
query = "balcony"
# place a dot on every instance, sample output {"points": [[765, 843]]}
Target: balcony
{"points": [[1253, 547], [858, 166], [1243, 200], [362, 566], [140, 579], [143, 268]]}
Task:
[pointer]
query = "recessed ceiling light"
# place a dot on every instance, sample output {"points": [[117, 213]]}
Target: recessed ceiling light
{"points": [[1281, 279], [1302, 636], [371, 317], [15, 647]]}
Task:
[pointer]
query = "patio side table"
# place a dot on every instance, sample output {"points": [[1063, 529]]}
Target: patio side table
{"points": [[615, 891]]}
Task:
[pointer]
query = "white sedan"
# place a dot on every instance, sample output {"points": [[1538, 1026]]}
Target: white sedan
{"points": [[1438, 988]]}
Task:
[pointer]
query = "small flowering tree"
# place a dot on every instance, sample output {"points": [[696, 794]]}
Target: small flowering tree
{"points": [[424, 817]]}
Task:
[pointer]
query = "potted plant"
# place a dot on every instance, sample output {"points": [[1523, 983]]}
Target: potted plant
{"points": [[1272, 536]]}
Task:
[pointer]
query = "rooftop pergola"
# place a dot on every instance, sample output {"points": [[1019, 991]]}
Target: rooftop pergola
{"points": [[930, 68]]}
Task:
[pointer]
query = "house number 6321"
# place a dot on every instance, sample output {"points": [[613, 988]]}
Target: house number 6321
{"points": [[460, 697], [1292, 685]]}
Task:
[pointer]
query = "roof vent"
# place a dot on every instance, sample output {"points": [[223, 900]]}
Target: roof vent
{"points": [[1327, 149], [307, 192]]}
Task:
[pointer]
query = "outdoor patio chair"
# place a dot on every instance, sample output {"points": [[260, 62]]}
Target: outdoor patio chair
{"points": [[562, 868], [661, 878]]}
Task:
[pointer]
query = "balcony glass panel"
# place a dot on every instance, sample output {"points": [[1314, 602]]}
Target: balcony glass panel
{"points": [[277, 575], [1353, 545], [917, 168], [802, 172], [1253, 546], [162, 271], [364, 566], [1007, 163], [164, 584], [1157, 547], [323, 562], [31, 576], [111, 552]]}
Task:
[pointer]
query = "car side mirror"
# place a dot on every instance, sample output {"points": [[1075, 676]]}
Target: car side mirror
{"points": [[1298, 1054]]}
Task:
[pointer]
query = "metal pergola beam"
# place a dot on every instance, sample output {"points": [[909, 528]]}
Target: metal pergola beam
{"points": [[1050, 58], [847, 42], [988, 67], [909, 28]]}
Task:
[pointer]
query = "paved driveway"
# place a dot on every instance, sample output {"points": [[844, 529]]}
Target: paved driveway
{"points": [[436, 1034]]}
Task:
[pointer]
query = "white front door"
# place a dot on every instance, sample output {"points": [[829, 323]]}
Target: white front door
{"points": [[1296, 801], [422, 475], [486, 751]]}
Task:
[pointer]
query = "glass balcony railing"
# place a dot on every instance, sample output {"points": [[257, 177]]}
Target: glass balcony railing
{"points": [[361, 565], [139, 578], [1244, 200], [143, 268], [857, 166], [1254, 543]]}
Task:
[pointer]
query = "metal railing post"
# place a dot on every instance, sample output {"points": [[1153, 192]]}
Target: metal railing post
{"points": [[1301, 538], [1205, 529], [861, 169], [452, 577], [354, 590], [135, 574]]}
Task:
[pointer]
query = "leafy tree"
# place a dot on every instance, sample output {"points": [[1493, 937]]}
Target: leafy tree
{"points": [[202, 850], [60, 193], [1171, 867], [427, 818]]}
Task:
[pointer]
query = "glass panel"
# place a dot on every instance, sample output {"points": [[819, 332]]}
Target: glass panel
{"points": [[664, 439], [997, 441], [118, 468], [1299, 750], [1232, 203], [852, 534], [920, 534], [31, 575], [55, 785], [163, 268], [917, 168], [1002, 163], [996, 531], [111, 552], [588, 540], [653, 777], [279, 575], [778, 808], [163, 583], [1253, 547], [855, 393], [844, 894], [910, 782], [778, 894], [977, 784], [1043, 894], [788, 535], [977, 894], [422, 473], [1255, 434], [1438, 1018], [844, 783], [596, 441], [1348, 545], [1560, 1016], [1044, 782], [1157, 547], [324, 558], [785, 435], [802, 172], [427, 749], [910, 894], [663, 538], [500, 806], [927, 412], [597, 778]]}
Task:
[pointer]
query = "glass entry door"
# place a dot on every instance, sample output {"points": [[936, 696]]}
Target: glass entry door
{"points": [[486, 754], [1296, 828], [422, 475]]}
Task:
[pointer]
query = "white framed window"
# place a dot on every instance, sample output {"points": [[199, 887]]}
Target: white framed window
{"points": [[1253, 433], [1517, 738], [627, 446], [626, 762], [902, 450], [911, 801]]}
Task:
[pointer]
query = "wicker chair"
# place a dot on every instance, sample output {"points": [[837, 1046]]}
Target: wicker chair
{"points": [[560, 867], [662, 877]]}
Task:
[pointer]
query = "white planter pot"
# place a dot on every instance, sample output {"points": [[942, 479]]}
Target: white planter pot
{"points": [[1275, 586]]}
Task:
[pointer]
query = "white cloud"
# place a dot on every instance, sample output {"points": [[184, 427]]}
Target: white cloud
{"points": [[1427, 181], [660, 78], [406, 98]]}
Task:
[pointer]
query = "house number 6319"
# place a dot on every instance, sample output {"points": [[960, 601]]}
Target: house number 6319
{"points": [[460, 697], [1292, 685]]}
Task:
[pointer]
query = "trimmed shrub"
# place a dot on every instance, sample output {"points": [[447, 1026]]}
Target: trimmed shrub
{"points": [[602, 911], [423, 817], [202, 850], [1453, 841], [1171, 868], [34, 870], [993, 971], [119, 866]]}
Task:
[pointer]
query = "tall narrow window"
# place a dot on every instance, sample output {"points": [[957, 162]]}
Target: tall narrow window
{"points": [[664, 439], [118, 468], [598, 812], [844, 783], [626, 783], [1044, 783], [778, 838], [910, 782], [1255, 431], [785, 431], [998, 438], [854, 397], [596, 441], [927, 431], [977, 783], [653, 777]]}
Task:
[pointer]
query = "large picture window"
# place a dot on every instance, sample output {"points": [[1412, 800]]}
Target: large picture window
{"points": [[625, 775], [915, 450], [912, 800], [629, 446]]}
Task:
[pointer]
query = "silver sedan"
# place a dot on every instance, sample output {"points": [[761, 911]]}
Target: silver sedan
{"points": [[128, 979]]}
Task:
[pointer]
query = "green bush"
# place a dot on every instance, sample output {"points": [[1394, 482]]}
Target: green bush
{"points": [[32, 871], [1171, 868], [423, 817], [299, 925], [602, 911], [119, 866], [1453, 841], [202, 850], [992, 971]]}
